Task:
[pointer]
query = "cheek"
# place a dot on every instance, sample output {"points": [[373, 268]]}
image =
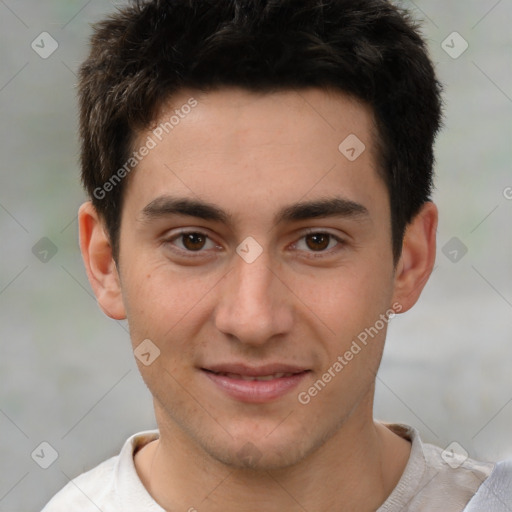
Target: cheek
{"points": [[348, 299], [161, 304]]}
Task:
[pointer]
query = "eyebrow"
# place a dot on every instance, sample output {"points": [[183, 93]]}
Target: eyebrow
{"points": [[165, 206]]}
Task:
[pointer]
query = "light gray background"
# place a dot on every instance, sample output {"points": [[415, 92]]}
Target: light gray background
{"points": [[67, 374]]}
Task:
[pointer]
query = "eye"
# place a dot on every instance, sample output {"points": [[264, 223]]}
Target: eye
{"points": [[319, 242], [191, 241]]}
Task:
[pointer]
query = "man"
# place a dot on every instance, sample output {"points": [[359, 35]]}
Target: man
{"points": [[260, 176]]}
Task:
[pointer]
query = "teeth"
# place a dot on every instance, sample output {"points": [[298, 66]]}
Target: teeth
{"points": [[260, 378]]}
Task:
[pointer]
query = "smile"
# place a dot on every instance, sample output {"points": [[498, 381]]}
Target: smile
{"points": [[255, 388], [260, 378]]}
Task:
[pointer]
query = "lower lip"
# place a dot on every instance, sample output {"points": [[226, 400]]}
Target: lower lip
{"points": [[256, 391]]}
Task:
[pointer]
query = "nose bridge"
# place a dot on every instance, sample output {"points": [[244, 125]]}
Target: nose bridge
{"points": [[253, 280], [253, 304]]}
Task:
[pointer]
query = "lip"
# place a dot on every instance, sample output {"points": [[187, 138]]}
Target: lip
{"points": [[254, 371], [254, 391]]}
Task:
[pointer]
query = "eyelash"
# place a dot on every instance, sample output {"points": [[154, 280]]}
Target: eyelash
{"points": [[313, 254]]}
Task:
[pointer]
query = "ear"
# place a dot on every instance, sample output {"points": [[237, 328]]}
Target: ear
{"points": [[418, 257], [99, 262]]}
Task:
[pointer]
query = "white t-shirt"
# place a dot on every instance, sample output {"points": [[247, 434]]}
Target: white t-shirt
{"points": [[428, 483]]}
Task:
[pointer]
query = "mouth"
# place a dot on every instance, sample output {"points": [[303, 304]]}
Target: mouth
{"points": [[261, 378], [255, 385]]}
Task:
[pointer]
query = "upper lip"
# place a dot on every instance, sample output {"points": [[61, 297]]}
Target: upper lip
{"points": [[254, 371]]}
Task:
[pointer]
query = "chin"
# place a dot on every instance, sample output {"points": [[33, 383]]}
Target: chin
{"points": [[251, 457], [261, 453]]}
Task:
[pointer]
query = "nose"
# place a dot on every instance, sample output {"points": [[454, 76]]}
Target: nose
{"points": [[255, 305]]}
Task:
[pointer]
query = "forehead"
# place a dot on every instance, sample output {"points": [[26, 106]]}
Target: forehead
{"points": [[246, 117], [257, 148]]}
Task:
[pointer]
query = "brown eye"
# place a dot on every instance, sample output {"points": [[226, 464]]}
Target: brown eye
{"points": [[193, 241], [318, 244], [192, 244], [189, 242], [318, 241]]}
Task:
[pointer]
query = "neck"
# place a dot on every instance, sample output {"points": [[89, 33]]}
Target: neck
{"points": [[355, 469]]}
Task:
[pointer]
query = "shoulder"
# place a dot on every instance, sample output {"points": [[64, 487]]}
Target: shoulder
{"points": [[495, 493], [455, 467], [436, 478], [91, 490], [107, 485]]}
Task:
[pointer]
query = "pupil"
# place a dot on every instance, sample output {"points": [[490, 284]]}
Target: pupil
{"points": [[194, 241], [318, 238]]}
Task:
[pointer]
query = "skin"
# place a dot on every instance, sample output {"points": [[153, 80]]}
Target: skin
{"points": [[299, 302]]}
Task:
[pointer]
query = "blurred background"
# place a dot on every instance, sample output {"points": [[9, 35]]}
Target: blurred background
{"points": [[67, 373]]}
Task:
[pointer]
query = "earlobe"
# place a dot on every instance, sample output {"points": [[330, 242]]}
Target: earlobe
{"points": [[99, 262], [418, 257]]}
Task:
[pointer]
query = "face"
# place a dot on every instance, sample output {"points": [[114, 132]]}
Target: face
{"points": [[253, 246]]}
